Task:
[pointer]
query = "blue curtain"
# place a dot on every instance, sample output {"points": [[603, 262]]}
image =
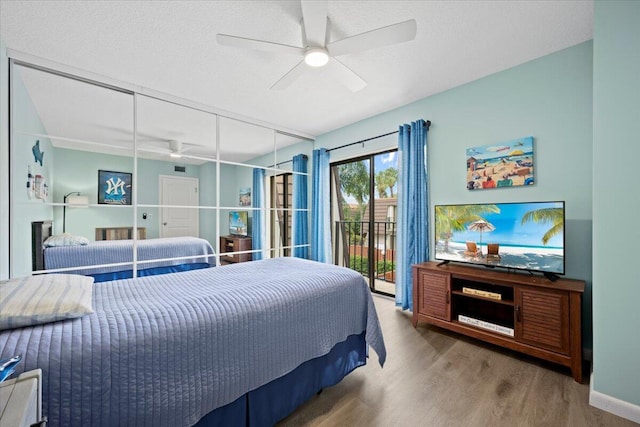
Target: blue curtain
{"points": [[413, 205], [258, 224], [320, 219], [300, 224]]}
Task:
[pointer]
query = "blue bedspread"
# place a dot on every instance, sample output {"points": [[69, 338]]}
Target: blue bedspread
{"points": [[121, 252], [166, 350]]}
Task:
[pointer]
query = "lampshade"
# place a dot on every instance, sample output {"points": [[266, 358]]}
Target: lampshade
{"points": [[77, 201]]}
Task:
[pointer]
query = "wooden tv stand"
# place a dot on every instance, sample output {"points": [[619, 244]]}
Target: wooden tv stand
{"points": [[533, 315], [235, 244]]}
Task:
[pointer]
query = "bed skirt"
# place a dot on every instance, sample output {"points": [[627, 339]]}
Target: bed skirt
{"points": [[128, 274], [275, 400]]}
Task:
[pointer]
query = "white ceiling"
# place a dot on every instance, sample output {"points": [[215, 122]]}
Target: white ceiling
{"points": [[171, 47], [88, 117]]}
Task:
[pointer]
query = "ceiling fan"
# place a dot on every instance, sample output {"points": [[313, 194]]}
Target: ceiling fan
{"points": [[149, 143], [318, 51], [175, 148]]}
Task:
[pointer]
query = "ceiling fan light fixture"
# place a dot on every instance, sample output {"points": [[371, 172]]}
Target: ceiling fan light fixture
{"points": [[175, 155], [316, 57]]}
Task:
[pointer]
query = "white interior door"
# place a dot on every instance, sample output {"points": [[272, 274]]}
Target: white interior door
{"points": [[179, 191]]}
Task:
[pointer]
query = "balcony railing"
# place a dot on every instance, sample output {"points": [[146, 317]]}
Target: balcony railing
{"points": [[351, 248]]}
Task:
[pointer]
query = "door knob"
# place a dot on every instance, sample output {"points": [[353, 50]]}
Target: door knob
{"points": [[164, 223]]}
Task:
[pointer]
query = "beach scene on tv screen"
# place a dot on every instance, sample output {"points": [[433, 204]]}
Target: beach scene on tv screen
{"points": [[238, 223], [527, 236]]}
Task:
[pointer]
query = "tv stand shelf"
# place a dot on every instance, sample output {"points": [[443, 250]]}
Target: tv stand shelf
{"points": [[505, 302], [529, 314]]}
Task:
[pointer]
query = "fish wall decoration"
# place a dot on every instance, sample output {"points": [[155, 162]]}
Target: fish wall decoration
{"points": [[37, 154]]}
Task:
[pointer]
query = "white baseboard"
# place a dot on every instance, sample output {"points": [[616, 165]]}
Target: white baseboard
{"points": [[611, 404]]}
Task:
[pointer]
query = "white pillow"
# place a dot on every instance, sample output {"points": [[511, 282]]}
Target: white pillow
{"points": [[44, 298], [65, 239]]}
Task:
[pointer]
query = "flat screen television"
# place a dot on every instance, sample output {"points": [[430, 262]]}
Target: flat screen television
{"points": [[239, 223], [524, 236]]}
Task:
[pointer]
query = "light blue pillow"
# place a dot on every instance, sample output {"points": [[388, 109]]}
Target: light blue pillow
{"points": [[65, 239], [44, 298]]}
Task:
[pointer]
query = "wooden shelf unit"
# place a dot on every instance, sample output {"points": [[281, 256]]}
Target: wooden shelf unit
{"points": [[119, 233], [235, 244], [544, 317]]}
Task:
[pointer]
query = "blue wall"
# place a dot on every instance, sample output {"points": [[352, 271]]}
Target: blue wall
{"points": [[27, 208], [549, 98], [616, 278], [78, 171]]}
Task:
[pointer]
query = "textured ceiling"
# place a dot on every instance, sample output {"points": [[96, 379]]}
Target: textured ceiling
{"points": [[171, 47]]}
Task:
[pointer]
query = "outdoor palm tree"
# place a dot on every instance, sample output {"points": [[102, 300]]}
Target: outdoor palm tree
{"points": [[553, 216], [386, 179], [381, 185], [390, 178], [354, 182]]}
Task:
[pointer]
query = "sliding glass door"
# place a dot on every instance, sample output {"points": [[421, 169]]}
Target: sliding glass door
{"points": [[282, 199], [364, 205]]}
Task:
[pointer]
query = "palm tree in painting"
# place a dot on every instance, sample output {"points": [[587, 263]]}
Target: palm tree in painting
{"points": [[553, 216], [450, 219]]}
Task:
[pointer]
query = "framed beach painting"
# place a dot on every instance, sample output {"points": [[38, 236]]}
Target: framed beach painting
{"points": [[114, 188], [508, 164]]}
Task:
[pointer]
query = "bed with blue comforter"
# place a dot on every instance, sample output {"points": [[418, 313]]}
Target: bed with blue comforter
{"points": [[242, 344], [154, 256]]}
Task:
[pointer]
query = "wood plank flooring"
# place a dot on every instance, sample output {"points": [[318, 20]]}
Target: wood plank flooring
{"points": [[433, 377]]}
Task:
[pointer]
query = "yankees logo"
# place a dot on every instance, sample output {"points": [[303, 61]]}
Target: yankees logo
{"points": [[112, 187]]}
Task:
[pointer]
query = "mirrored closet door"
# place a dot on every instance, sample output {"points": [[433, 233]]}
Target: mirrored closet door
{"points": [[95, 166]]}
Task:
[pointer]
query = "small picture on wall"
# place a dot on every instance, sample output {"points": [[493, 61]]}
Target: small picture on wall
{"points": [[245, 197], [508, 164], [114, 188]]}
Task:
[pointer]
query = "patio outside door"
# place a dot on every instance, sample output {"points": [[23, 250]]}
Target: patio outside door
{"points": [[364, 205]]}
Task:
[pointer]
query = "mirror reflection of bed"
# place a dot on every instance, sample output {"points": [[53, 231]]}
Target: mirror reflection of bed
{"points": [[112, 258]]}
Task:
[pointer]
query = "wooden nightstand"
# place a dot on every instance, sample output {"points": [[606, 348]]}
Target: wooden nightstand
{"points": [[21, 400]]}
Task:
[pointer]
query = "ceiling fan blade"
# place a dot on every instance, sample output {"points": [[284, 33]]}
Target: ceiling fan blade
{"points": [[314, 20], [396, 33], [290, 77], [265, 46], [345, 75]]}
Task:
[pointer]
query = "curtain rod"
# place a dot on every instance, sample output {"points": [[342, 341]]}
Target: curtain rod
{"points": [[427, 125], [304, 156]]}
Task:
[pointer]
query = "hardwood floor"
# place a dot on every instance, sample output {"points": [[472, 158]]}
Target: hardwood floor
{"points": [[436, 378]]}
